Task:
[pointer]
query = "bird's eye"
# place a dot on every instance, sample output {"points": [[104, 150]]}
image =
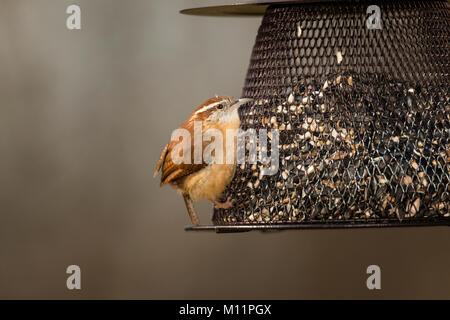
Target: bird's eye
{"points": [[220, 106]]}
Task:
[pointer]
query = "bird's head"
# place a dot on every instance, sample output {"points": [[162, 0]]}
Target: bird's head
{"points": [[220, 109]]}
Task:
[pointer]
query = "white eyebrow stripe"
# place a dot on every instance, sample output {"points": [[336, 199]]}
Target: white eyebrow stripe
{"points": [[209, 106]]}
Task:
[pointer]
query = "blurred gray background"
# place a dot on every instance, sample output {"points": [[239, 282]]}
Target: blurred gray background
{"points": [[84, 116]]}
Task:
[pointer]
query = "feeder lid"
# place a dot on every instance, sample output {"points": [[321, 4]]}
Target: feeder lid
{"points": [[243, 8]]}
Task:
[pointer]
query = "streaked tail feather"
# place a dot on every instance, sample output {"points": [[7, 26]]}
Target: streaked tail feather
{"points": [[161, 161]]}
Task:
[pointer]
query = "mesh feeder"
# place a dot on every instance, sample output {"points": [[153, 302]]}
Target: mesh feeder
{"points": [[363, 116]]}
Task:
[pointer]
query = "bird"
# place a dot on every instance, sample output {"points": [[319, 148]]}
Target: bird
{"points": [[201, 180]]}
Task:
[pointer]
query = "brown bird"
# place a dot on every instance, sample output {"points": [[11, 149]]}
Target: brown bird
{"points": [[201, 180]]}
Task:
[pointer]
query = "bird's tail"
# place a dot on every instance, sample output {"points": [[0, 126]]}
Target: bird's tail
{"points": [[160, 161]]}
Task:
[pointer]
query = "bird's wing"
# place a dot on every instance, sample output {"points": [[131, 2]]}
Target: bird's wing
{"points": [[171, 171]]}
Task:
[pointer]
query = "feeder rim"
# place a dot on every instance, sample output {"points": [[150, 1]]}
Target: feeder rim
{"points": [[298, 226], [243, 8], [247, 8]]}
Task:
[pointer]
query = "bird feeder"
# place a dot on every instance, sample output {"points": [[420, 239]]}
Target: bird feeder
{"points": [[359, 93]]}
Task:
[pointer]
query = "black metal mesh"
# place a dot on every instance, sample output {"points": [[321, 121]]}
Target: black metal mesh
{"points": [[412, 45], [364, 139]]}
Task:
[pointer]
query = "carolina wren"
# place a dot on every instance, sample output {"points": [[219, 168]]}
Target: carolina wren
{"points": [[199, 180]]}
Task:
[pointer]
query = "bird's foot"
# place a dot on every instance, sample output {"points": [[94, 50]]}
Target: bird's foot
{"points": [[224, 205]]}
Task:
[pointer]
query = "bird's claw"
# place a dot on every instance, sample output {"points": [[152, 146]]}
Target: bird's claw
{"points": [[224, 205]]}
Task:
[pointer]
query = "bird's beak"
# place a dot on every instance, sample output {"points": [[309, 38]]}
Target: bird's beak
{"points": [[240, 102]]}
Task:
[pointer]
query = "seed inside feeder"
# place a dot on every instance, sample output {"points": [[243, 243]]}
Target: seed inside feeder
{"points": [[299, 30], [339, 57]]}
